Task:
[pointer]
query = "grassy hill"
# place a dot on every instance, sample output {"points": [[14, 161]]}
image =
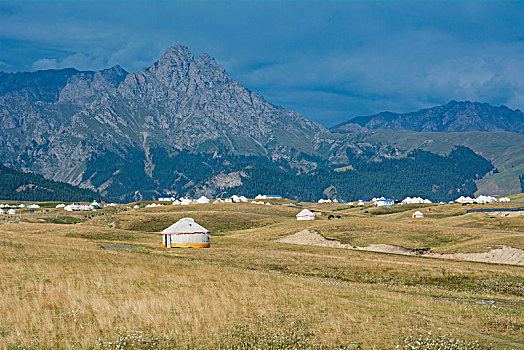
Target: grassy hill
{"points": [[106, 281]]}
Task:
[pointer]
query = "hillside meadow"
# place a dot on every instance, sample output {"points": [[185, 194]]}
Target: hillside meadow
{"points": [[92, 281]]}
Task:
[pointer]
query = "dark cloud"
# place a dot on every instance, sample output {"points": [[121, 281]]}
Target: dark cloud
{"points": [[328, 60]]}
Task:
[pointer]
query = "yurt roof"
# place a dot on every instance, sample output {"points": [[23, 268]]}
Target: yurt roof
{"points": [[305, 212], [185, 226], [418, 212]]}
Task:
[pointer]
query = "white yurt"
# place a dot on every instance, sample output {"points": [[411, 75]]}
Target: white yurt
{"points": [[418, 214], [136, 207], [2, 211], [61, 205], [504, 199], [33, 206], [306, 215], [21, 206], [11, 212], [176, 202], [185, 233], [95, 205], [203, 200]]}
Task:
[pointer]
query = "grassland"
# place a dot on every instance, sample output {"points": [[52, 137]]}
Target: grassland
{"points": [[78, 282]]}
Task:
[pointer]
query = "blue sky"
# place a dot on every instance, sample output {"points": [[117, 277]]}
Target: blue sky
{"points": [[329, 60]]}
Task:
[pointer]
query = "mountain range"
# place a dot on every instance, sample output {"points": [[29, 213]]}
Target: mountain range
{"points": [[184, 126], [452, 117]]}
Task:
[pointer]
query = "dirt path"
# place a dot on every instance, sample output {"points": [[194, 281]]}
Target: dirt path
{"points": [[503, 255]]}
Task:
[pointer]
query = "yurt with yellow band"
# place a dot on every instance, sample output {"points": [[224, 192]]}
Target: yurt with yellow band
{"points": [[185, 233]]}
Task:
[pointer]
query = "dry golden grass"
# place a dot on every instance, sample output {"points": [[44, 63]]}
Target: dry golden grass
{"points": [[69, 285]]}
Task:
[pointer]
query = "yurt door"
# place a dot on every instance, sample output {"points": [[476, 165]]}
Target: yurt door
{"points": [[168, 241]]}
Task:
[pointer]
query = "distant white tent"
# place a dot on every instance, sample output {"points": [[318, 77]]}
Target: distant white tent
{"points": [[11, 212], [418, 214], [95, 205], [2, 211], [203, 200], [176, 202], [243, 199], [235, 198], [33, 206], [361, 204], [21, 206], [504, 199], [325, 201], [185, 233], [136, 207], [305, 214], [61, 205]]}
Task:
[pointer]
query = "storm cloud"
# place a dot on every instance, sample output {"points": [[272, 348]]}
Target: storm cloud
{"points": [[330, 61]]}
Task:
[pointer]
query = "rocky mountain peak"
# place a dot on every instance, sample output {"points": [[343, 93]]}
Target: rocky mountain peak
{"points": [[178, 55]]}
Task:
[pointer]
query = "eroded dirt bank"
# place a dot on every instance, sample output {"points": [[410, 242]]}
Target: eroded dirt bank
{"points": [[502, 255]]}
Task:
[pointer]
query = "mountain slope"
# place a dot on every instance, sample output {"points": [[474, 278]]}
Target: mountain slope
{"points": [[452, 117], [504, 149], [184, 126], [180, 103], [17, 185]]}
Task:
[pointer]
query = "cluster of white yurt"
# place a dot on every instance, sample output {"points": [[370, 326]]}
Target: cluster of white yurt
{"points": [[9, 211], [479, 200], [504, 199], [184, 201], [305, 214], [260, 202], [415, 200], [238, 199], [78, 207], [417, 215], [464, 200], [154, 205], [485, 199], [185, 233]]}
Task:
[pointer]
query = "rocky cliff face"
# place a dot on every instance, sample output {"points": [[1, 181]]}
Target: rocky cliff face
{"points": [[452, 117], [56, 122]]}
